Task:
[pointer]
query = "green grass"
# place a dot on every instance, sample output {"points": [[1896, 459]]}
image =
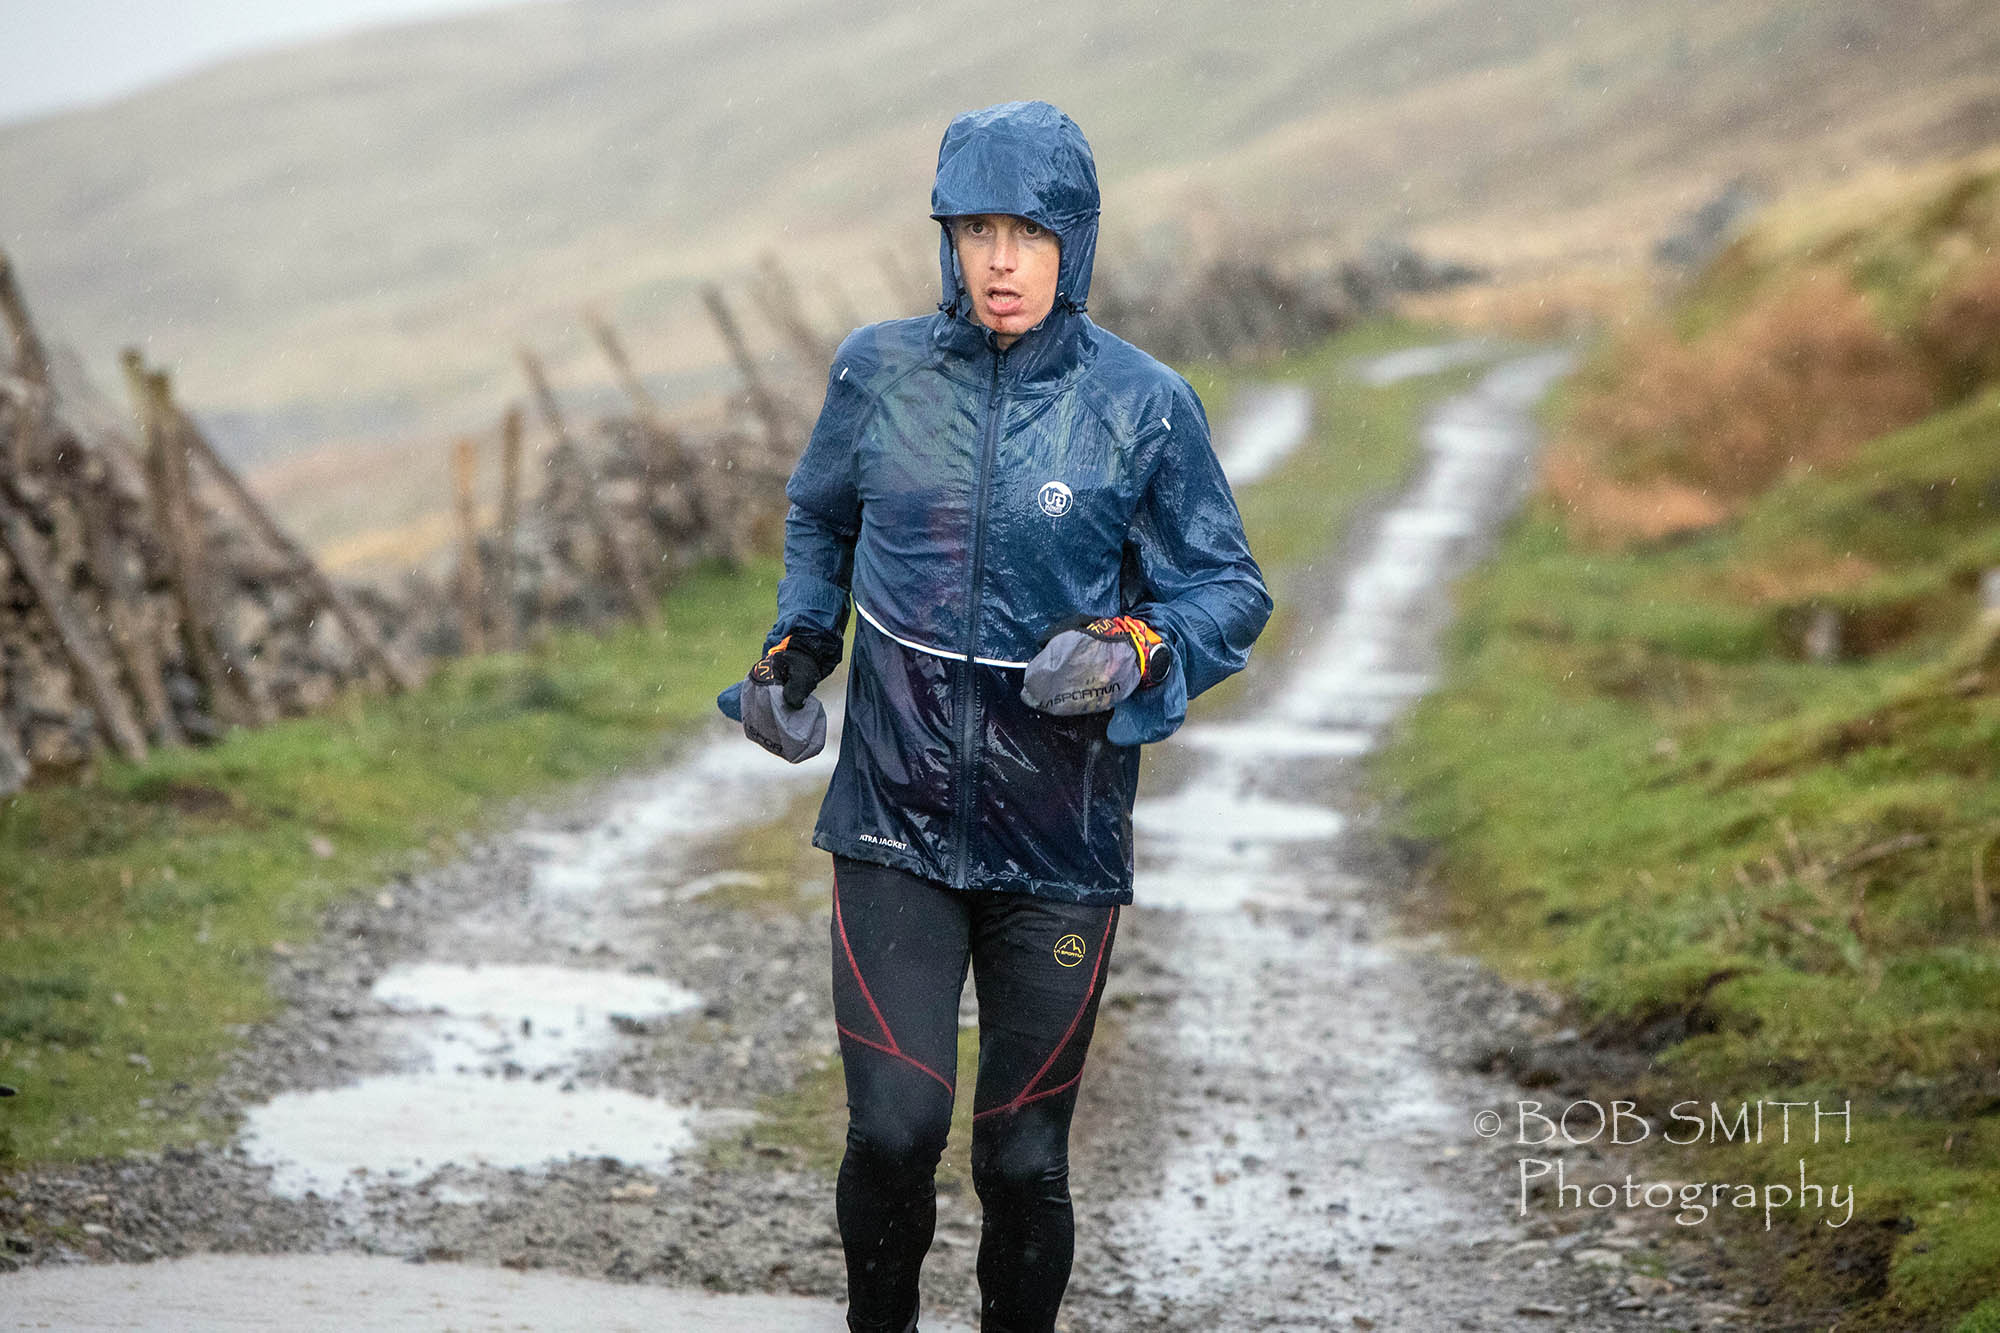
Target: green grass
{"points": [[1762, 867], [140, 912]]}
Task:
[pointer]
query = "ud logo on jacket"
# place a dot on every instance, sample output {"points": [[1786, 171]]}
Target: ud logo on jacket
{"points": [[1055, 499]]}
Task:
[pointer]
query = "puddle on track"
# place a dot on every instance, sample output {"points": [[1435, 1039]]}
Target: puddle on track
{"points": [[535, 1014], [492, 1057], [339, 1293], [1374, 657], [405, 1127], [492, 1050], [1271, 739], [493, 1064], [726, 784], [1268, 423]]}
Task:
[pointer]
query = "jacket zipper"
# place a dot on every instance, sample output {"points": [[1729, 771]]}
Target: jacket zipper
{"points": [[968, 720]]}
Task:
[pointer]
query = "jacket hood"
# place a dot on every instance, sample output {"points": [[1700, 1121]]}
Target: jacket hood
{"points": [[1030, 160]]}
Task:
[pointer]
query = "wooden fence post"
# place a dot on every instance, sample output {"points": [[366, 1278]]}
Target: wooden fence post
{"points": [[128, 617], [471, 598], [31, 363], [644, 406], [783, 308], [762, 401], [509, 625], [679, 464], [31, 359], [637, 598], [177, 524], [236, 660], [114, 713], [322, 589]]}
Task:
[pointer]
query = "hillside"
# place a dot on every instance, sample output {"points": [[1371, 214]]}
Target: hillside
{"points": [[345, 237], [1732, 782], [338, 246]]}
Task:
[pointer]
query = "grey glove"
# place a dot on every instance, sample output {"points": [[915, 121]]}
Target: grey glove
{"points": [[793, 734], [1089, 666]]}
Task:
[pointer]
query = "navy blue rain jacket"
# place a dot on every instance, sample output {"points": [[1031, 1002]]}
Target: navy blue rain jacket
{"points": [[965, 500]]}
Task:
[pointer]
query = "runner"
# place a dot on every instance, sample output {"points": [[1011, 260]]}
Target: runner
{"points": [[1046, 562]]}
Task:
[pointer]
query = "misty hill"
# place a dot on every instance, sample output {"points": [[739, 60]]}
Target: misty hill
{"points": [[346, 239]]}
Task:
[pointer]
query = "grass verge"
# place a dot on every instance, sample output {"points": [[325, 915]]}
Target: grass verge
{"points": [[140, 911], [1767, 866]]}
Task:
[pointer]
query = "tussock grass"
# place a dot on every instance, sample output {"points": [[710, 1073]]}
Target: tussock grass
{"points": [[1670, 436], [1960, 333], [1802, 342]]}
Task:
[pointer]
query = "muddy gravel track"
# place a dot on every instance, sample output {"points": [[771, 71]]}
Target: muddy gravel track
{"points": [[511, 1063]]}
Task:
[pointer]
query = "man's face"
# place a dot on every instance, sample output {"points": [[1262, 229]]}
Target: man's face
{"points": [[1009, 265]]}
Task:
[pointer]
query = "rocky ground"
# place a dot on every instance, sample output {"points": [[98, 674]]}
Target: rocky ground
{"points": [[1270, 1116], [766, 1224]]}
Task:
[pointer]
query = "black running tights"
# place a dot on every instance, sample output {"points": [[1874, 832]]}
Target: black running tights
{"points": [[901, 945]]}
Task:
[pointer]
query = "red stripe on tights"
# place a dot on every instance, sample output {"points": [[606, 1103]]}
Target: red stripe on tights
{"points": [[1023, 1098]]}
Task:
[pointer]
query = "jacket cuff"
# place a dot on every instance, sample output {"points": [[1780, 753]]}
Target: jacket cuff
{"points": [[809, 600], [822, 646], [1153, 712]]}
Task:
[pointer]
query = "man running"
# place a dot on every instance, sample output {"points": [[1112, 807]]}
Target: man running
{"points": [[1047, 564]]}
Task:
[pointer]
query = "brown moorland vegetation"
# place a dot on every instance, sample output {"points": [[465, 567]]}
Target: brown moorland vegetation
{"points": [[1675, 435], [1833, 322]]}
